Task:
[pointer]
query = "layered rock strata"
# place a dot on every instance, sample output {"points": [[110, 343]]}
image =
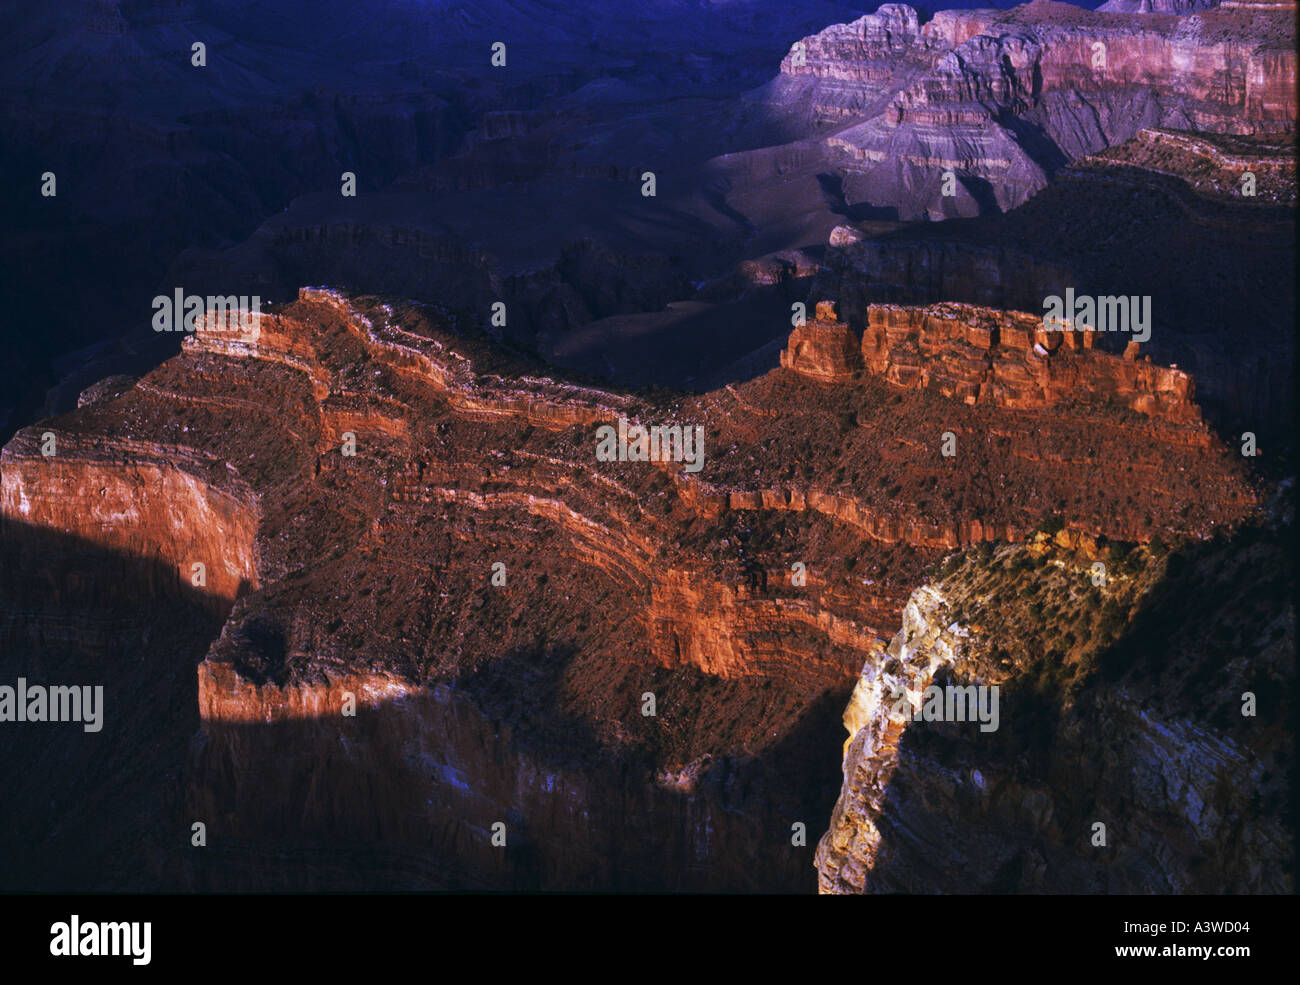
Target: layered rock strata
{"points": [[402, 521], [979, 355], [1002, 99], [985, 356], [825, 349]]}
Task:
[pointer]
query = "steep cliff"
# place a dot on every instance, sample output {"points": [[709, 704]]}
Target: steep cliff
{"points": [[824, 349], [1140, 743], [1008, 358], [1003, 99]]}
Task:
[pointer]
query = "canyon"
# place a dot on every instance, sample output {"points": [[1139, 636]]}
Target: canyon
{"points": [[367, 579], [373, 611], [1002, 99], [523, 186]]}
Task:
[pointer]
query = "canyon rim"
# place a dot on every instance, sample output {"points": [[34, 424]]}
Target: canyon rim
{"points": [[648, 448]]}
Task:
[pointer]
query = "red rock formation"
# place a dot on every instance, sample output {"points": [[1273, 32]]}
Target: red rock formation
{"points": [[984, 356], [824, 349], [979, 355], [143, 499], [520, 702]]}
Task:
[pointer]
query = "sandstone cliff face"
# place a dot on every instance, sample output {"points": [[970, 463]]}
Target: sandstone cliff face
{"points": [[858, 62], [1147, 724], [825, 349], [985, 356], [1003, 99], [1007, 358], [142, 500], [922, 646], [743, 597]]}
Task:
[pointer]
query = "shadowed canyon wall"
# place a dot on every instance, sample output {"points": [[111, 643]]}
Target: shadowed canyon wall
{"points": [[1128, 756]]}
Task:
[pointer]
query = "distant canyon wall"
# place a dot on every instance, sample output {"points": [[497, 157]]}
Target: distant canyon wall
{"points": [[1004, 98]]}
